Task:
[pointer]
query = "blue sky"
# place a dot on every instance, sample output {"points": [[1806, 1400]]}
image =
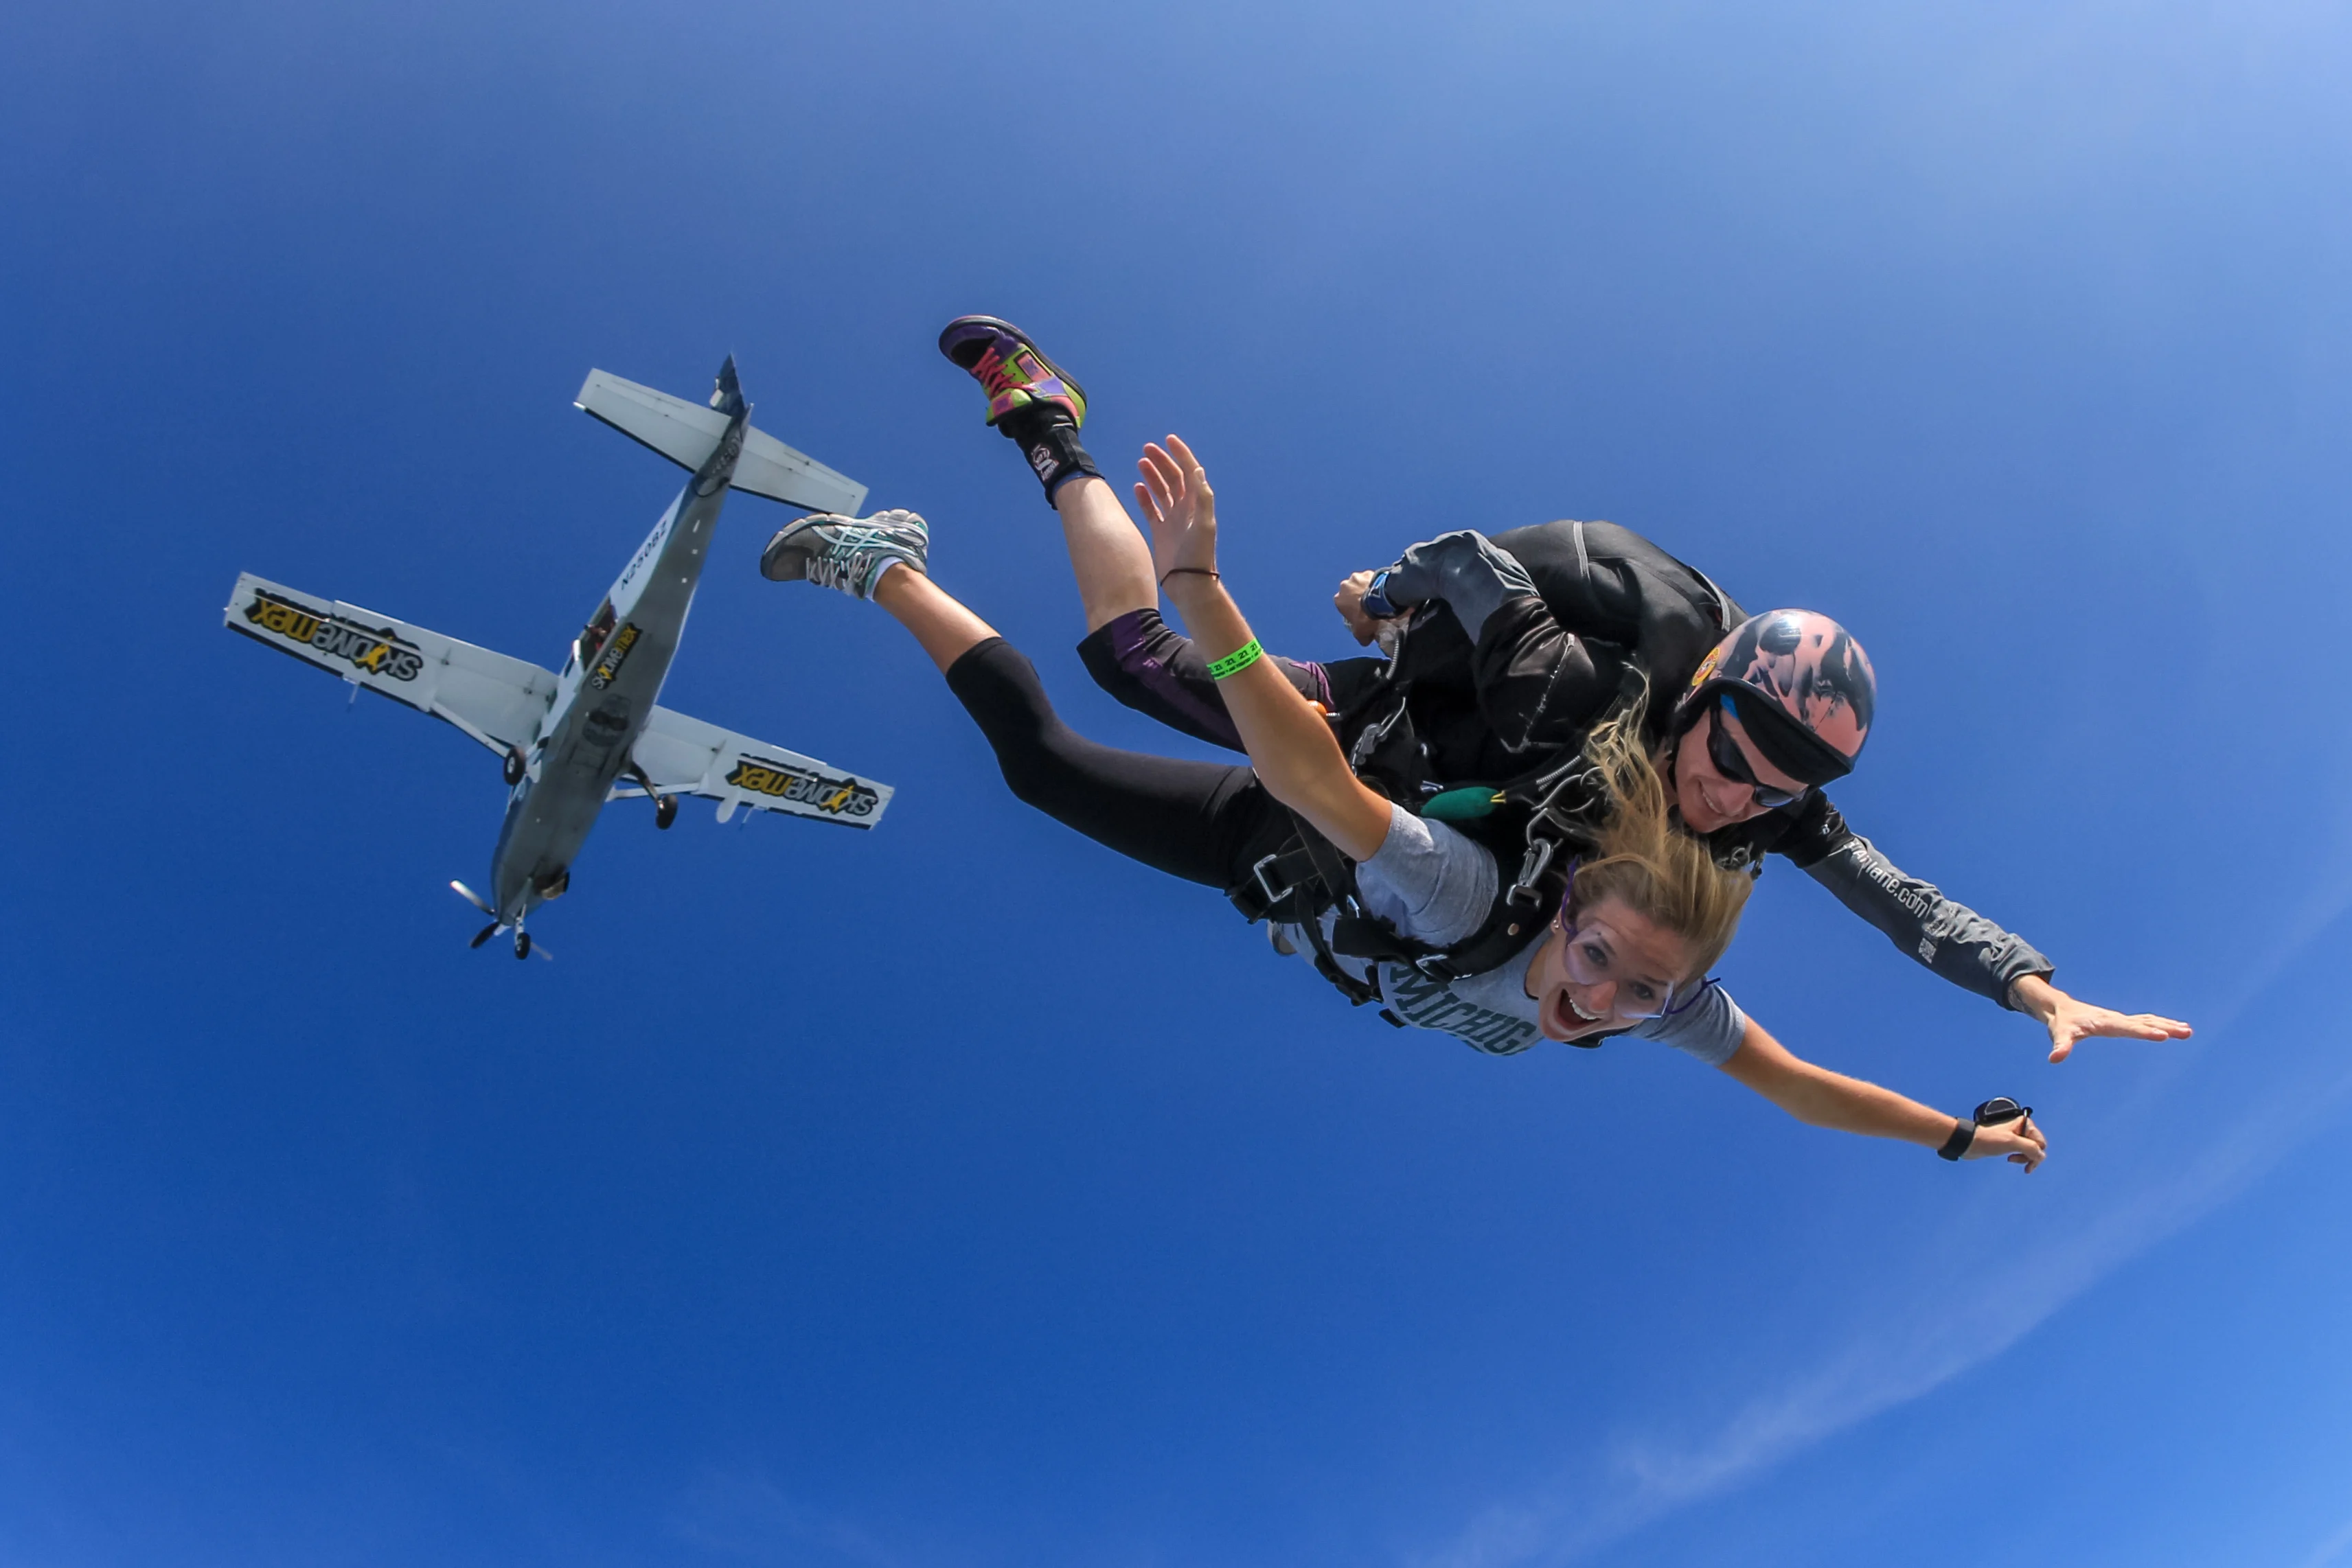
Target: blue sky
{"points": [[957, 1194]]}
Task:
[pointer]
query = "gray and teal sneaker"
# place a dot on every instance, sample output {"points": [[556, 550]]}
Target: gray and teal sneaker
{"points": [[847, 553]]}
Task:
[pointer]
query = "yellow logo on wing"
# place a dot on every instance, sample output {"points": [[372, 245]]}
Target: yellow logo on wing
{"points": [[836, 797], [374, 649]]}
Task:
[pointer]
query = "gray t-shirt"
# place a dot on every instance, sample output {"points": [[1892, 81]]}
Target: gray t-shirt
{"points": [[1433, 883]]}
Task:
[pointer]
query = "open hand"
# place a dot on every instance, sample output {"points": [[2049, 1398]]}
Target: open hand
{"points": [[2071, 1022], [1176, 496]]}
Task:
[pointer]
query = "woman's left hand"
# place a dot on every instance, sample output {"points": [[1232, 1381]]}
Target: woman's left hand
{"points": [[1176, 496], [2020, 1141]]}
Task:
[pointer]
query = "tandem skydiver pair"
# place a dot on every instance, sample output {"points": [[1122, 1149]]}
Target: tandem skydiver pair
{"points": [[1539, 816]]}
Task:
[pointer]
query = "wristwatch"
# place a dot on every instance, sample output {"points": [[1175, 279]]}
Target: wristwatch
{"points": [[1376, 599], [1995, 1113]]}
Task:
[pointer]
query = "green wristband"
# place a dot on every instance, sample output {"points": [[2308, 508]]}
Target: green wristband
{"points": [[1235, 663]]}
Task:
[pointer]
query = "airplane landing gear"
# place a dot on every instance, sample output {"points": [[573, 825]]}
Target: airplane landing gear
{"points": [[665, 806], [523, 944], [514, 767]]}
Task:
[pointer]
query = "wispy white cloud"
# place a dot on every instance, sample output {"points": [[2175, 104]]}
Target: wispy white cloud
{"points": [[1936, 1332], [2331, 1551], [748, 1518]]}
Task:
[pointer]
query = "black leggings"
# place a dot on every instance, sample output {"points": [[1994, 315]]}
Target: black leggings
{"points": [[1205, 821]]}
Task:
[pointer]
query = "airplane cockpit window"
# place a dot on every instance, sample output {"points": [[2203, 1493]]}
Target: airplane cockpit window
{"points": [[591, 636]]}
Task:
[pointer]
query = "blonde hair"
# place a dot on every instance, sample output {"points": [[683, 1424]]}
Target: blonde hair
{"points": [[1666, 876]]}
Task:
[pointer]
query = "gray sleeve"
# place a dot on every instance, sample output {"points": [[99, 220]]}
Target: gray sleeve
{"points": [[1709, 1029], [1428, 880], [1949, 938], [1472, 575]]}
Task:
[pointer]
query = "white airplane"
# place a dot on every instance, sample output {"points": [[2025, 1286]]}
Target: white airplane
{"points": [[592, 733]]}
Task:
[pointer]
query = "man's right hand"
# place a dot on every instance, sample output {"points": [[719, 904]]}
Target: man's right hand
{"points": [[1350, 603]]}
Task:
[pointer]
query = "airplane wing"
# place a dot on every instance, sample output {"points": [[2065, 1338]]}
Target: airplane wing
{"points": [[687, 756], [497, 700], [687, 433]]}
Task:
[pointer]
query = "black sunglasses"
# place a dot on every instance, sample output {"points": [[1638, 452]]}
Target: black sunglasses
{"points": [[1723, 752]]}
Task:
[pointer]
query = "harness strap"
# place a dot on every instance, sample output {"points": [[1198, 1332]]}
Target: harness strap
{"points": [[1282, 887], [1358, 992], [1305, 876], [1332, 868]]}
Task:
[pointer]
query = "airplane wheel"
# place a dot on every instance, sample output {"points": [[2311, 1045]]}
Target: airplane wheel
{"points": [[523, 944], [514, 768], [664, 811]]}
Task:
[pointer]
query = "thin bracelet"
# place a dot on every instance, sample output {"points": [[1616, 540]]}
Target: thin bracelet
{"points": [[1235, 663], [1187, 571]]}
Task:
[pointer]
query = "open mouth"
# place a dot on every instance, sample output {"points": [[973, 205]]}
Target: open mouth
{"points": [[1568, 1019]]}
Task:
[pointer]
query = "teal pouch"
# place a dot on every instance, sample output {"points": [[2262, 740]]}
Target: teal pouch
{"points": [[1467, 804]]}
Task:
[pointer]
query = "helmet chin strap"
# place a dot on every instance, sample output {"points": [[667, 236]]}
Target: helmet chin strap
{"points": [[1672, 781], [1669, 757]]}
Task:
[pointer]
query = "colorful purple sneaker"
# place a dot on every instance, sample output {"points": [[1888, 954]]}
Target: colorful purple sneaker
{"points": [[1010, 368]]}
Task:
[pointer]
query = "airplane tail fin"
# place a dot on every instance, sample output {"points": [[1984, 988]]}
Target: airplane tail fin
{"points": [[727, 392], [687, 433]]}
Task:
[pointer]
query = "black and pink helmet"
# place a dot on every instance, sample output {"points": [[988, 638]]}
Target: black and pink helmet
{"points": [[1803, 686]]}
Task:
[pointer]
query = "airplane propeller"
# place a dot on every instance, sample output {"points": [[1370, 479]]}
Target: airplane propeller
{"points": [[524, 946]]}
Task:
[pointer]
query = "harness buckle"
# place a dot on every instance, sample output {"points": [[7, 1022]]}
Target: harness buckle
{"points": [[1531, 870], [1272, 897]]}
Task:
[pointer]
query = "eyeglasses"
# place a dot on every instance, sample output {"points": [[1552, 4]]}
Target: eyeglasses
{"points": [[1725, 753], [1590, 962]]}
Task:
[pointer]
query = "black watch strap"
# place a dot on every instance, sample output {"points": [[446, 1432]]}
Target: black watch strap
{"points": [[1963, 1134]]}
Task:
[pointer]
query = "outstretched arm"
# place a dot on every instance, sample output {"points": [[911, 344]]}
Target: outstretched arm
{"points": [[1952, 939], [1290, 743], [1949, 938], [1819, 1098]]}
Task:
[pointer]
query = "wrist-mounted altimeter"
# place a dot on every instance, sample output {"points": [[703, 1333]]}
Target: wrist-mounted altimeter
{"points": [[1995, 1113]]}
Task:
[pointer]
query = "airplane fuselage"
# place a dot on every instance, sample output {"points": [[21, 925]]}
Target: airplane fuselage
{"points": [[606, 693]]}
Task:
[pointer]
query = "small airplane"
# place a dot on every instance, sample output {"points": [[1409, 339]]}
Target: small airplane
{"points": [[572, 741]]}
